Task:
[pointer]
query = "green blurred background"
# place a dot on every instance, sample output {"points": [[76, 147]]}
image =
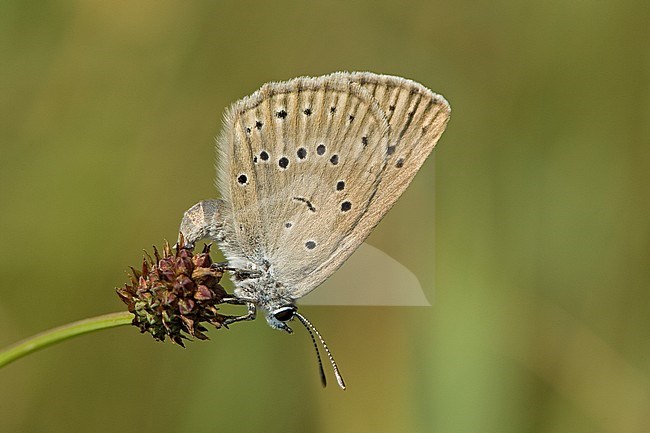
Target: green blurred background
{"points": [[538, 256]]}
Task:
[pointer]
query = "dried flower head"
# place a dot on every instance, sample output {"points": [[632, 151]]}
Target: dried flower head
{"points": [[174, 294]]}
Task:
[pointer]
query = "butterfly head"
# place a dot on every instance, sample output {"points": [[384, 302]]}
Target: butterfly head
{"points": [[277, 318]]}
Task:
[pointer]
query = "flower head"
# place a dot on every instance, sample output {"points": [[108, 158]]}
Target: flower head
{"points": [[174, 294]]}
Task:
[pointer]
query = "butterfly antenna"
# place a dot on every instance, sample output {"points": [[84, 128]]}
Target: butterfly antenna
{"points": [[323, 379], [312, 330]]}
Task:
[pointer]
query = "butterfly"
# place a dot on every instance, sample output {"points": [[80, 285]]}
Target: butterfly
{"points": [[306, 168]]}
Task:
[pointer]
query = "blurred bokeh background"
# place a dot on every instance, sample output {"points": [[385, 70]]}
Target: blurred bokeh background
{"points": [[532, 245]]}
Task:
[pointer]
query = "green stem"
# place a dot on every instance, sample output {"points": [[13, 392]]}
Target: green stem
{"points": [[62, 333]]}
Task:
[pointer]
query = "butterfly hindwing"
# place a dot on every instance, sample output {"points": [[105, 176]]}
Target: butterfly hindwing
{"points": [[300, 163]]}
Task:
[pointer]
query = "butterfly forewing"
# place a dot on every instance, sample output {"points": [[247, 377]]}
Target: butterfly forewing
{"points": [[417, 118], [300, 163]]}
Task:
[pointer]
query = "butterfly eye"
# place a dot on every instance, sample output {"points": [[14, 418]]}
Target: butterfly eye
{"points": [[284, 314]]}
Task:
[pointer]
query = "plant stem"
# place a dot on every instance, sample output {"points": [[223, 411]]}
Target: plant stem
{"points": [[62, 333]]}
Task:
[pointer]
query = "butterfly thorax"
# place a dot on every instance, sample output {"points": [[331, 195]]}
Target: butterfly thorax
{"points": [[266, 293]]}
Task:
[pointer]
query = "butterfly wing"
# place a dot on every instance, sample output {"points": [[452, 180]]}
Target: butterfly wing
{"points": [[417, 118], [308, 167], [300, 162]]}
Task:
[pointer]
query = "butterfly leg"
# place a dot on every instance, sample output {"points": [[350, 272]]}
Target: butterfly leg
{"points": [[223, 266], [201, 221], [248, 316], [239, 274]]}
